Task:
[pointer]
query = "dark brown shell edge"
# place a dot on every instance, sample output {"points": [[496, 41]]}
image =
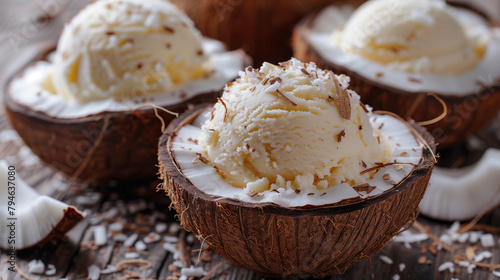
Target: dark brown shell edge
{"points": [[128, 149], [466, 114], [282, 241]]}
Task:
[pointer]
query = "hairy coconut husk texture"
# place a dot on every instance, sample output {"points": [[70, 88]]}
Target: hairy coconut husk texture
{"points": [[465, 114], [260, 27], [282, 241], [96, 148]]}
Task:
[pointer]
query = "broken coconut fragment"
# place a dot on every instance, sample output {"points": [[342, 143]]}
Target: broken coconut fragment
{"points": [[33, 219], [115, 72], [277, 181], [463, 193], [396, 52]]}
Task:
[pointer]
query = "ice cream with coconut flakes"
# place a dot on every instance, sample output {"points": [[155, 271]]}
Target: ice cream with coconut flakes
{"points": [[291, 126], [421, 36], [126, 48]]}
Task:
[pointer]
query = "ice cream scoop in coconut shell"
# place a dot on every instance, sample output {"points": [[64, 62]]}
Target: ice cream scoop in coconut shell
{"points": [[262, 28], [283, 241], [466, 113], [99, 147]]}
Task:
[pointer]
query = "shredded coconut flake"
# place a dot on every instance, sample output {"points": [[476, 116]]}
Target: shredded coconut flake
{"points": [[36, 267], [192, 271], [446, 266], [487, 240], [386, 259]]}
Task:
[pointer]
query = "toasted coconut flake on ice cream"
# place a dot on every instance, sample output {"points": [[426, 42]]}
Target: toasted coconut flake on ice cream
{"points": [[278, 193]]}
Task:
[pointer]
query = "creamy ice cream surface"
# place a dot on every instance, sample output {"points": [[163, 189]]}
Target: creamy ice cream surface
{"points": [[291, 126], [126, 48], [420, 36]]}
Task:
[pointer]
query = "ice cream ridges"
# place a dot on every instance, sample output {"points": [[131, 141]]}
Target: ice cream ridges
{"points": [[126, 48], [291, 126], [421, 36]]}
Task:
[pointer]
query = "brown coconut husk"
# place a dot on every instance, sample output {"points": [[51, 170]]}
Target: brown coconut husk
{"points": [[96, 148], [262, 28], [465, 114], [282, 241]]}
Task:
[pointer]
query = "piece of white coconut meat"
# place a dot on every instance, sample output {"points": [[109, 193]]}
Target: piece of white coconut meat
{"points": [[32, 219], [463, 193], [405, 149]]}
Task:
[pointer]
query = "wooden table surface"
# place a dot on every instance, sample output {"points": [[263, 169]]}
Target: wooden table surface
{"points": [[26, 26]]}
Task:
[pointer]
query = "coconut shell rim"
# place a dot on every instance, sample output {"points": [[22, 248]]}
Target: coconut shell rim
{"points": [[303, 28], [170, 165]]}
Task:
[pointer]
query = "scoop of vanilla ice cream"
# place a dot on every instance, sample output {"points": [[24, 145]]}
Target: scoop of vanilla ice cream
{"points": [[280, 127], [420, 36], [126, 48]]}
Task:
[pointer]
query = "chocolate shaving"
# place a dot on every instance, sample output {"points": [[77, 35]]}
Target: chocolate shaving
{"points": [[168, 29], [342, 100], [363, 106], [364, 188], [340, 135], [225, 108], [274, 80], [286, 98], [304, 71]]}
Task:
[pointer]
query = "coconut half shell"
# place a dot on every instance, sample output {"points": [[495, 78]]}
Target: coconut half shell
{"points": [[282, 241], [95, 148], [262, 28], [465, 114]]}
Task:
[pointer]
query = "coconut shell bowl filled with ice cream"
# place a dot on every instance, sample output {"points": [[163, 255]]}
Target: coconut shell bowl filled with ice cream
{"points": [[289, 174], [92, 107], [396, 52]]}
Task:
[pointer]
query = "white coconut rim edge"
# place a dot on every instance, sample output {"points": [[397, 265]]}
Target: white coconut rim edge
{"points": [[205, 177], [26, 89], [36, 215], [486, 72], [462, 193]]}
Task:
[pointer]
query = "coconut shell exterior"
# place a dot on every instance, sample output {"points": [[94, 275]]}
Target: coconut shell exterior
{"points": [[261, 27], [466, 115], [127, 150], [282, 241]]}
